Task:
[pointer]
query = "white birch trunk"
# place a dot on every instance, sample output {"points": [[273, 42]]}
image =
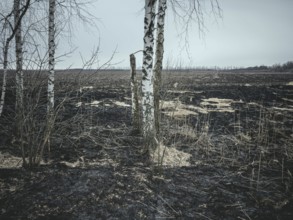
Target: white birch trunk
{"points": [[17, 24], [19, 77], [19, 55], [3, 91], [162, 6], [147, 77], [51, 42]]}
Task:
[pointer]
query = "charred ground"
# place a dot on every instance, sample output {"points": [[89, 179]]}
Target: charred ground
{"points": [[236, 128]]}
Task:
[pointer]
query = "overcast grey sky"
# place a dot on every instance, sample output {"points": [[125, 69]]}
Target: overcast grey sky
{"points": [[251, 32]]}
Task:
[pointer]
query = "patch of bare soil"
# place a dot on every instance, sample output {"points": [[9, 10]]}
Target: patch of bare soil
{"points": [[226, 152]]}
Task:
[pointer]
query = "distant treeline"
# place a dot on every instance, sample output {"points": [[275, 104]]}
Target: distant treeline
{"points": [[286, 67]]}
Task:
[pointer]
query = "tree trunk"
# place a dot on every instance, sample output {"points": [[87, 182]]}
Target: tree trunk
{"points": [[19, 78], [134, 95], [162, 6], [19, 55], [147, 77], [51, 42], [6, 48], [5, 63], [51, 75]]}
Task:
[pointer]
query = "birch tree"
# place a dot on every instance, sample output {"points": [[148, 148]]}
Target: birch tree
{"points": [[160, 25], [51, 44], [147, 77], [18, 54], [186, 12], [13, 31]]}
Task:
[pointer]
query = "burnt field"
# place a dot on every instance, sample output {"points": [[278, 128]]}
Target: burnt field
{"points": [[227, 143]]}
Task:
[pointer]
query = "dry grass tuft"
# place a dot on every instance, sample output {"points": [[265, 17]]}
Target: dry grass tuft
{"points": [[170, 156], [8, 161]]}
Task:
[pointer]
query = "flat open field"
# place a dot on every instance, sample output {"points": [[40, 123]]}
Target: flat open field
{"points": [[227, 138]]}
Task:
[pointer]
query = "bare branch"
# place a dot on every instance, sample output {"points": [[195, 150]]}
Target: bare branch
{"points": [[193, 12]]}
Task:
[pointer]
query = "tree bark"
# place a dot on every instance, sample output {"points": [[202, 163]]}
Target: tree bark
{"points": [[4, 83], [19, 60], [147, 77], [5, 53], [18, 78], [51, 42], [162, 6], [134, 95]]}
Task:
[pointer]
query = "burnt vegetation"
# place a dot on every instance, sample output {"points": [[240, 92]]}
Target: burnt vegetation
{"points": [[226, 151]]}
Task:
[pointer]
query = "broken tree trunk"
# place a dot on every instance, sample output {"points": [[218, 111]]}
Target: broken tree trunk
{"points": [[134, 96]]}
